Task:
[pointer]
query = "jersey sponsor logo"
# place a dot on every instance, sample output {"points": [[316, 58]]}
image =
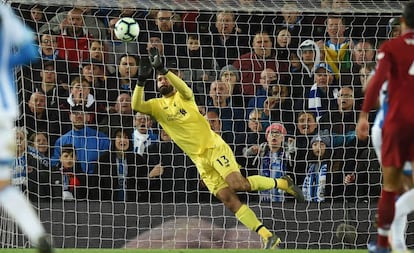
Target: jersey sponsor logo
{"points": [[179, 114], [409, 41], [380, 55]]}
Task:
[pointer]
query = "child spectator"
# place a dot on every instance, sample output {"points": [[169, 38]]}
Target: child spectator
{"points": [[316, 176], [73, 178]]}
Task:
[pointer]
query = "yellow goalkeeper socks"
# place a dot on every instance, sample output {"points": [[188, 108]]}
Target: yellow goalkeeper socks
{"points": [[282, 184], [260, 183], [246, 216], [264, 232]]}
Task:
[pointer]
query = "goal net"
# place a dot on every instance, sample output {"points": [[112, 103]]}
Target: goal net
{"points": [[250, 64]]}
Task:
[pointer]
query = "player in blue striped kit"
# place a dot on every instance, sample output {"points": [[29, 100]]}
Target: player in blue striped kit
{"points": [[15, 37]]}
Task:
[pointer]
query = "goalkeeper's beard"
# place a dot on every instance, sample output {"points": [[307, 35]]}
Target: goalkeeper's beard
{"points": [[165, 90]]}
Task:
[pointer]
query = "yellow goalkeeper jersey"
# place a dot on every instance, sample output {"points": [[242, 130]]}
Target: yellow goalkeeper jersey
{"points": [[179, 116]]}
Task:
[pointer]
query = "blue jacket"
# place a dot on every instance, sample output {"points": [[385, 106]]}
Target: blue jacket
{"points": [[89, 145]]}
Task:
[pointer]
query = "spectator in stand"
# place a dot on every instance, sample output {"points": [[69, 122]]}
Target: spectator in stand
{"points": [[283, 44], [171, 33], [306, 128], [273, 160], [337, 49], [73, 177], [342, 123], [37, 17], [228, 43], [297, 24], [120, 116], [98, 51], [221, 100], [90, 21], [213, 119], [54, 90], [30, 170], [173, 176], [117, 48], [80, 95], [255, 135], [279, 107], [143, 134], [126, 76], [362, 54], [198, 66], [319, 166], [252, 64], [105, 91], [309, 56], [89, 143], [364, 74], [73, 41], [48, 52], [40, 142], [231, 76], [268, 77], [39, 118], [323, 94], [123, 175]]}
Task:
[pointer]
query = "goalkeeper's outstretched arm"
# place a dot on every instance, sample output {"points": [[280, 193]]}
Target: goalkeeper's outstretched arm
{"points": [[182, 88], [138, 104]]}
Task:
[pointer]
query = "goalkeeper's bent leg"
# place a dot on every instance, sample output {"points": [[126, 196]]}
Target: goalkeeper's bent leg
{"points": [[246, 216], [242, 212], [261, 183]]}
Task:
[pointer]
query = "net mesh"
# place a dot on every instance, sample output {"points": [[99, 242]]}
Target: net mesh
{"points": [[163, 203]]}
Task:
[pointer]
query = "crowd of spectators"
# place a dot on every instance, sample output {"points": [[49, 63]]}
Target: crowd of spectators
{"points": [[283, 89]]}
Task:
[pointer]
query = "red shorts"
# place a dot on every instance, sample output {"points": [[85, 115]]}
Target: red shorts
{"points": [[397, 145]]}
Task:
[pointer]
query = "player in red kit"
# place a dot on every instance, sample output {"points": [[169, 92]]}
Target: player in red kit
{"points": [[395, 64]]}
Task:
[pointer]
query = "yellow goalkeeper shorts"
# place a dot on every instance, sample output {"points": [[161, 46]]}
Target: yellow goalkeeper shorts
{"points": [[215, 164]]}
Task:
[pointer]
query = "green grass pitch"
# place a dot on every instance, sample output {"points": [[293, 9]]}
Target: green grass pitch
{"points": [[175, 251]]}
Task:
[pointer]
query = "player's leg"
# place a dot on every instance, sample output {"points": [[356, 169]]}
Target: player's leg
{"points": [[214, 178], [225, 159], [391, 186], [403, 207], [247, 217], [11, 199]]}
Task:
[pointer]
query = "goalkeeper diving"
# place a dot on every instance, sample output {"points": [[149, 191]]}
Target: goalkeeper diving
{"points": [[176, 111]]}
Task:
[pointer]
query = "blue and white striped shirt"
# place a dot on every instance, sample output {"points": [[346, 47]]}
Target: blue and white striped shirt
{"points": [[14, 37]]}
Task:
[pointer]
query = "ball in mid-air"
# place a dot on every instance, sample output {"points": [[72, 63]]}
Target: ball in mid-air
{"points": [[127, 29]]}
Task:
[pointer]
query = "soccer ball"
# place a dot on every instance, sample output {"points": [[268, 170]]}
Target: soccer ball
{"points": [[127, 29]]}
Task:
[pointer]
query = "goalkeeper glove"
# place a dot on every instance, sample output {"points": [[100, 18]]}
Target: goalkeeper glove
{"points": [[144, 71], [156, 61]]}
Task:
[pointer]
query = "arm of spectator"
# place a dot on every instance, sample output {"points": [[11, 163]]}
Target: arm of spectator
{"points": [[268, 104], [350, 178], [157, 171], [180, 85], [64, 24], [251, 151]]}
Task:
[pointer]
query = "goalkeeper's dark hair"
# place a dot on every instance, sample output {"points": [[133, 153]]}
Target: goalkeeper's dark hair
{"points": [[408, 14]]}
